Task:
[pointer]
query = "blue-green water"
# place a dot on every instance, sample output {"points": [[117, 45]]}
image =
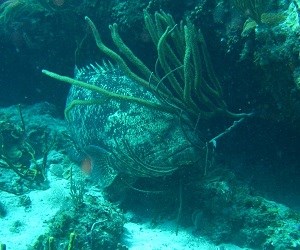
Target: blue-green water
{"points": [[149, 124]]}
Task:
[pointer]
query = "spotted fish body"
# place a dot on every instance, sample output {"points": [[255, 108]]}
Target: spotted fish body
{"points": [[138, 141]]}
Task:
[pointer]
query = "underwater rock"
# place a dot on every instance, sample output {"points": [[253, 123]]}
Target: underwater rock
{"points": [[122, 136], [97, 224], [227, 211], [27, 134]]}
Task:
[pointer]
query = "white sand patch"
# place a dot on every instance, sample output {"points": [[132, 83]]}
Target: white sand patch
{"points": [[163, 237], [22, 226]]}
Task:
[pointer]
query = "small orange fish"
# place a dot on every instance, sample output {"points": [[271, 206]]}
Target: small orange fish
{"points": [[87, 165], [96, 166]]}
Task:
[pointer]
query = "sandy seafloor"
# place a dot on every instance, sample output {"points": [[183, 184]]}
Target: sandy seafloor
{"points": [[21, 227]]}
